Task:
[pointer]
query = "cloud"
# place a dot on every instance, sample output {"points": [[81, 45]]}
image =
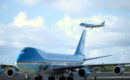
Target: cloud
{"points": [[113, 39], [65, 35], [71, 6], [113, 34], [90, 6], [121, 5], [2, 42], [28, 2], [70, 26], [81, 7], [119, 54], [35, 2], [18, 44], [109, 36], [22, 21]]}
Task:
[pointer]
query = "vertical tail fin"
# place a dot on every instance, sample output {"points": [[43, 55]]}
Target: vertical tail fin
{"points": [[81, 45], [103, 23]]}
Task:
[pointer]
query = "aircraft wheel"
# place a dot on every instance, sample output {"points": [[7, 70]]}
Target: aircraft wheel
{"points": [[38, 78], [62, 78], [26, 77], [51, 78], [70, 78], [95, 78]]}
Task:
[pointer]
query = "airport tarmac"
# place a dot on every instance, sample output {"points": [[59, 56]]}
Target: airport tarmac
{"points": [[100, 76], [113, 76]]}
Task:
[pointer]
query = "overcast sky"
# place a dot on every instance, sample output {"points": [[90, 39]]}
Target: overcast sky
{"points": [[53, 26]]}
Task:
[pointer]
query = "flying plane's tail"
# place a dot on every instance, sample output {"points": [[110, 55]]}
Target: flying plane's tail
{"points": [[102, 24], [81, 45]]}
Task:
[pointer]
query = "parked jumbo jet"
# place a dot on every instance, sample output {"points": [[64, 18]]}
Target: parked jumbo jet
{"points": [[92, 25], [32, 60]]}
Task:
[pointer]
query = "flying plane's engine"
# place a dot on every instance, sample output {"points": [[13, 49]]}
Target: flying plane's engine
{"points": [[118, 69], [12, 72], [83, 72]]}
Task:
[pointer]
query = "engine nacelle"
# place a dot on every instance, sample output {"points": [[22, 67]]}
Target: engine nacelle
{"points": [[1, 70], [118, 69], [12, 72], [83, 72]]}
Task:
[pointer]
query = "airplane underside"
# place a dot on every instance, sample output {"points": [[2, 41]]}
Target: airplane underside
{"points": [[63, 76], [48, 73]]}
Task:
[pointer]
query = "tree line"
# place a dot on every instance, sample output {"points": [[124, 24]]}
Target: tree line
{"points": [[110, 69]]}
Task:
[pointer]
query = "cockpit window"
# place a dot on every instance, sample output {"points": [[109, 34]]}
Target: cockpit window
{"points": [[24, 50]]}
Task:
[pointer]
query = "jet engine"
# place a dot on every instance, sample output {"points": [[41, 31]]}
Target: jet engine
{"points": [[12, 72], [83, 72], [1, 70], [118, 69]]}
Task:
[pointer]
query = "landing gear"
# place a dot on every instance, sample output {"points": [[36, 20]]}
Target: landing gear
{"points": [[51, 78], [26, 77], [62, 78], [70, 78], [95, 77], [38, 78]]}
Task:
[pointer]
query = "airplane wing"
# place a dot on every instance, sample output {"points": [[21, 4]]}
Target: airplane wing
{"points": [[88, 65], [68, 68], [79, 66], [108, 64], [96, 58], [6, 66]]}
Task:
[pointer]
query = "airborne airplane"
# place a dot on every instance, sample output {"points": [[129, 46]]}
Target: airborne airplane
{"points": [[92, 25], [35, 61]]}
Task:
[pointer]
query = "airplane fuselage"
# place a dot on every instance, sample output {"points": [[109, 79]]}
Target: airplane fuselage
{"points": [[31, 60], [90, 25]]}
